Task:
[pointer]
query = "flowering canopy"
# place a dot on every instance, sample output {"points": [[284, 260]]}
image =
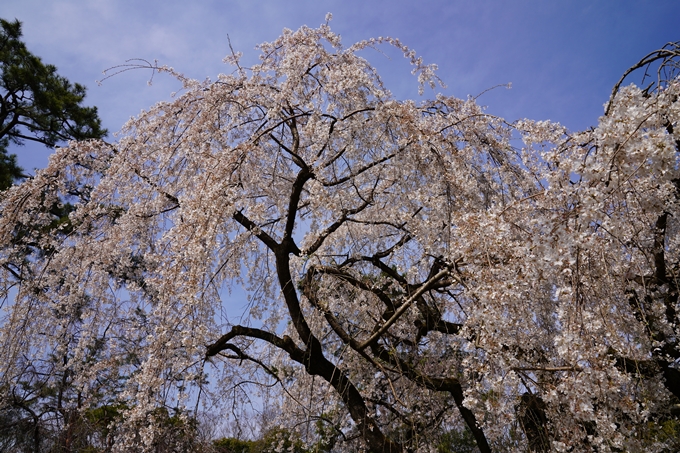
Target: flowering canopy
{"points": [[410, 269]]}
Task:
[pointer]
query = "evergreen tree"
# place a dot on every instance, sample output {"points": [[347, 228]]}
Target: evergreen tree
{"points": [[36, 104]]}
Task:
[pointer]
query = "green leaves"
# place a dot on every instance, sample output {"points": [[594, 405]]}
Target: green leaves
{"points": [[9, 169], [36, 103]]}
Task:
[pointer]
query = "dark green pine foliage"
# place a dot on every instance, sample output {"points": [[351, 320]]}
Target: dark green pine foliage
{"points": [[36, 104]]}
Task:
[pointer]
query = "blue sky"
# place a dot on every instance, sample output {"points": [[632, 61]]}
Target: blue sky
{"points": [[562, 57]]}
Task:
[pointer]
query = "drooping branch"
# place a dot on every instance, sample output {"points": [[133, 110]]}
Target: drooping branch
{"points": [[285, 343], [666, 54]]}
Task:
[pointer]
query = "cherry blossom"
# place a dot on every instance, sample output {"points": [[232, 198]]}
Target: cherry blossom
{"points": [[411, 267]]}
